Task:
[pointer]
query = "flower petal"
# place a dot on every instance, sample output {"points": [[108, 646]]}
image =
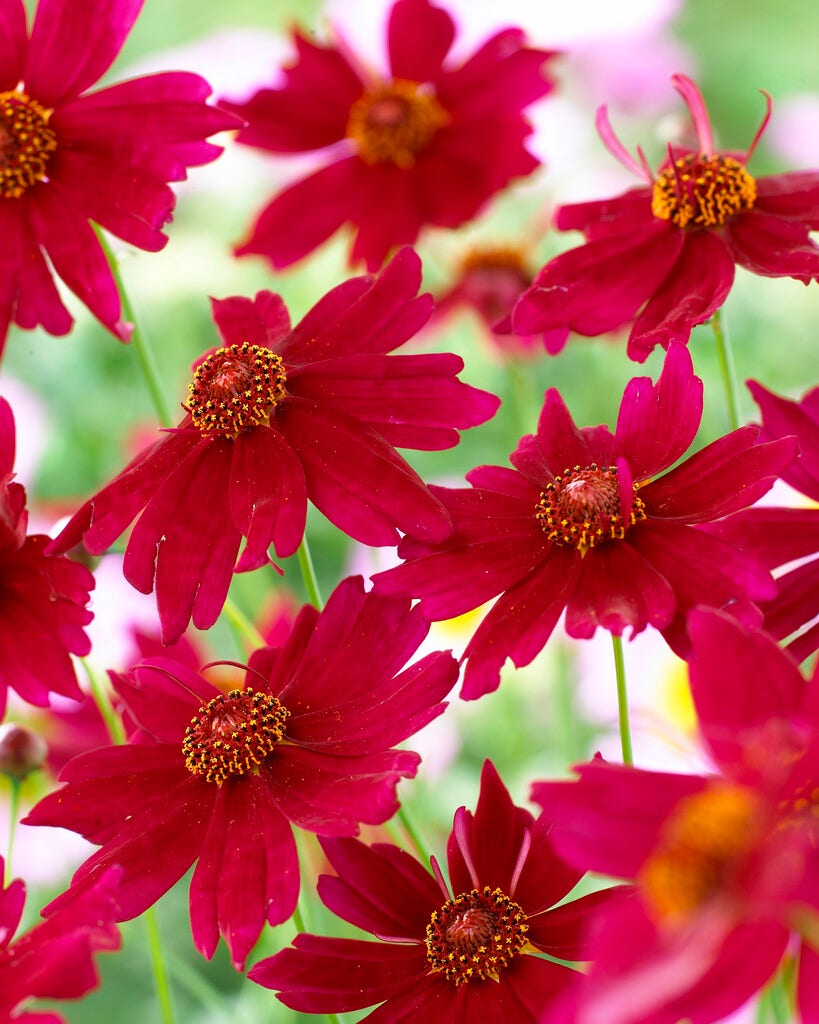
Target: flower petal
{"points": [[263, 320], [772, 246], [13, 44], [419, 36]]}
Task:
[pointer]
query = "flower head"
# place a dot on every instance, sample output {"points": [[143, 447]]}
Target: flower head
{"points": [[410, 148], [278, 415], [68, 157], [445, 955], [54, 959], [220, 778], [586, 523], [661, 257], [724, 864], [43, 597]]}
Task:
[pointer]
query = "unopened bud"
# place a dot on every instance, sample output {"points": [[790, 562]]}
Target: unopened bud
{"points": [[21, 751]]}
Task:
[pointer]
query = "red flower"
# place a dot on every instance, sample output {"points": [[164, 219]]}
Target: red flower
{"points": [[782, 535], [324, 404], [43, 597], [725, 864], [428, 144], [585, 523], [222, 777], [68, 158], [53, 960], [662, 256], [449, 958]]}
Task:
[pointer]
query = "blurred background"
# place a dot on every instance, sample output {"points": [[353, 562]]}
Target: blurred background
{"points": [[82, 409]]}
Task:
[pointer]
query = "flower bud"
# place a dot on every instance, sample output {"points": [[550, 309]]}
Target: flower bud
{"points": [[21, 751]]}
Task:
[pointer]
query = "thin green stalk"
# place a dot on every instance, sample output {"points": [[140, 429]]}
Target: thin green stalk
{"points": [[412, 832], [726, 365], [520, 376], [104, 705], [14, 811], [309, 574], [243, 627], [163, 988], [144, 354], [622, 699]]}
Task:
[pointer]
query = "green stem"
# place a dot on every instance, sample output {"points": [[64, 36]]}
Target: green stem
{"points": [[243, 627], [412, 832], [104, 705], [163, 988], [144, 354], [726, 365], [309, 574], [14, 810], [622, 699], [520, 387]]}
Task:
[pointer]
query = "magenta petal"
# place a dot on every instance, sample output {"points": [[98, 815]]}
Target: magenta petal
{"points": [[261, 321], [618, 587], [808, 985], [163, 696], [563, 931], [772, 246], [268, 496], [658, 422], [248, 871], [356, 479], [692, 292], [781, 416], [419, 36], [13, 44], [323, 975], [74, 44]]}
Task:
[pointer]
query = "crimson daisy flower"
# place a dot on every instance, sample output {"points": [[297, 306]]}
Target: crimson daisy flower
{"points": [[277, 416], [43, 597], [725, 864], [662, 256], [220, 778], [783, 535], [410, 148], [584, 522], [451, 958], [68, 157], [54, 959]]}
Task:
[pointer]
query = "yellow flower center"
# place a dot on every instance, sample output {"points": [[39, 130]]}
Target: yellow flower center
{"points": [[394, 122], [700, 846], [233, 734], [582, 508], [26, 143], [235, 388], [702, 191], [475, 935]]}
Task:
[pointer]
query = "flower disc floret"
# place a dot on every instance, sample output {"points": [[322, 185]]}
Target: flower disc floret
{"points": [[475, 935], [235, 388], [26, 143], [701, 844], [233, 733], [702, 191], [582, 508], [394, 122]]}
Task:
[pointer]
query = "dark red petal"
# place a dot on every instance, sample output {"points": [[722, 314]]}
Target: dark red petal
{"points": [[268, 496], [248, 871], [306, 214], [389, 208], [313, 336], [74, 44], [618, 588], [358, 480], [527, 986], [563, 931], [12, 901], [163, 696], [807, 997], [727, 475], [13, 44], [263, 320], [546, 878], [323, 975], [311, 110], [419, 36], [630, 211], [794, 196], [772, 535], [379, 888], [795, 605], [695, 288], [520, 622], [658, 422], [330, 794], [772, 246], [781, 416]]}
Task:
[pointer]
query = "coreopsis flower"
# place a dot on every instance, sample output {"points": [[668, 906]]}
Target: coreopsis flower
{"points": [[661, 257], [54, 959], [410, 147], [724, 864], [783, 535], [220, 778], [447, 956], [586, 523], [43, 597], [274, 417], [69, 157]]}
